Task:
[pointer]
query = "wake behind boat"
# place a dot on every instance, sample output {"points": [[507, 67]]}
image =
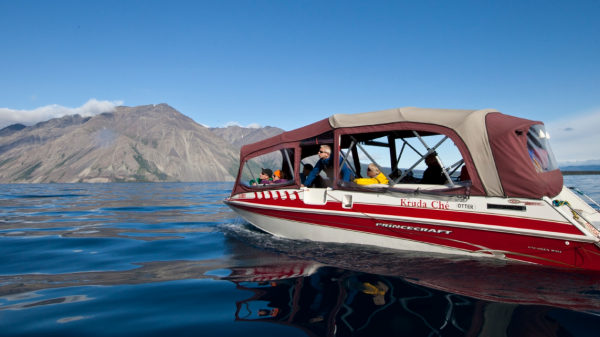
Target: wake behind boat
{"points": [[509, 202]]}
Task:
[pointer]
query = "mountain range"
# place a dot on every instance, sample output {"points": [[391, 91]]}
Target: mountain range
{"points": [[134, 144], [239, 136], [129, 144]]}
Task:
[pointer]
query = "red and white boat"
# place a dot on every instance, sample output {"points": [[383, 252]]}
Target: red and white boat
{"points": [[513, 206]]}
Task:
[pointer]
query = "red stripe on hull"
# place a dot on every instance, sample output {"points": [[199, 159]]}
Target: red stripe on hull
{"points": [[545, 251], [423, 213]]}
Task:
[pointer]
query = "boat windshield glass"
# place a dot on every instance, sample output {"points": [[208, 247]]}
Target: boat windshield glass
{"points": [[269, 170], [539, 149]]}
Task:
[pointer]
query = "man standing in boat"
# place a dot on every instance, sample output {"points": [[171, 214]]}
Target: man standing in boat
{"points": [[326, 162]]}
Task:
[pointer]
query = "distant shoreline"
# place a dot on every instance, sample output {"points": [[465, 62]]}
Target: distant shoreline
{"points": [[579, 173]]}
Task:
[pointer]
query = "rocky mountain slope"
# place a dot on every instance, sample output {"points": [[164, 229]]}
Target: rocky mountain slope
{"points": [[144, 143], [239, 136], [9, 130]]}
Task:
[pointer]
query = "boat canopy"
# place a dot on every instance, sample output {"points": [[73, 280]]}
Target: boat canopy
{"points": [[505, 155]]}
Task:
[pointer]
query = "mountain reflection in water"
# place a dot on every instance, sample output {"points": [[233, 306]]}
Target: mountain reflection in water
{"points": [[158, 259]]}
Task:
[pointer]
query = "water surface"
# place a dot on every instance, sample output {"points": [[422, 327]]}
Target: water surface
{"points": [[158, 259]]}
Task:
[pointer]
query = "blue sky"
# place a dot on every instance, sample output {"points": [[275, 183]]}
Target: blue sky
{"points": [[290, 63]]}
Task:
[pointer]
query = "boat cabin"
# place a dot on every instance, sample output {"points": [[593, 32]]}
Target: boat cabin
{"points": [[494, 155]]}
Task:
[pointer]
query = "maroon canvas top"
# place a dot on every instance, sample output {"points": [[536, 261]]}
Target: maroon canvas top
{"points": [[507, 136], [305, 132], [508, 140]]}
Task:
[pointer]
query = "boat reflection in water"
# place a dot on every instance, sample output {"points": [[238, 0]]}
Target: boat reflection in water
{"points": [[328, 301]]}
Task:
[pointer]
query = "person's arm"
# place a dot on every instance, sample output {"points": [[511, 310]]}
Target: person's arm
{"points": [[345, 171], [313, 174]]}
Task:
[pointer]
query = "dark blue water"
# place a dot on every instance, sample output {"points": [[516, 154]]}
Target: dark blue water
{"points": [[172, 259]]}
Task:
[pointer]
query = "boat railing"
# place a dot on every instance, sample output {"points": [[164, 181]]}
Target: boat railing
{"points": [[585, 195]]}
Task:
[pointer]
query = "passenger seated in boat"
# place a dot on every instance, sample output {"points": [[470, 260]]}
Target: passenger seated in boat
{"points": [[266, 176], [278, 177], [325, 162], [433, 175], [305, 172], [375, 176]]}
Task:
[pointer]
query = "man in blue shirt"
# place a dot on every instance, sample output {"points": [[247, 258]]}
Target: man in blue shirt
{"points": [[325, 162]]}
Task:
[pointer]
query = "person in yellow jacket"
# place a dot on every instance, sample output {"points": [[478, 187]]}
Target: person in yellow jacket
{"points": [[375, 177]]}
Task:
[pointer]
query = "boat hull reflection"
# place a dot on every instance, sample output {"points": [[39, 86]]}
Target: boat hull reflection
{"points": [[328, 301]]}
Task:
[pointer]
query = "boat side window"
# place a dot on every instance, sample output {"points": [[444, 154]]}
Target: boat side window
{"points": [[310, 148], [389, 158], [272, 169], [429, 159], [325, 177], [539, 149]]}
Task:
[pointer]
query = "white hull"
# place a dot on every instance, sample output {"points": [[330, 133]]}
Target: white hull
{"points": [[307, 231]]}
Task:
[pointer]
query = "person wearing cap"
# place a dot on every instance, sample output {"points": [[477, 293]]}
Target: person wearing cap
{"points": [[433, 175], [279, 177], [266, 176]]}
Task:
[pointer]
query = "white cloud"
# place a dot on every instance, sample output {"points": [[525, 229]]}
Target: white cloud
{"points": [[575, 138], [249, 126], [29, 117], [232, 124]]}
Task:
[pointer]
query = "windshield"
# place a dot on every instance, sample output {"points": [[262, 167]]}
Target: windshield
{"points": [[539, 149]]}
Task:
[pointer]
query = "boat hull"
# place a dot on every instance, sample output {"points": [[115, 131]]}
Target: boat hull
{"points": [[300, 230], [443, 230]]}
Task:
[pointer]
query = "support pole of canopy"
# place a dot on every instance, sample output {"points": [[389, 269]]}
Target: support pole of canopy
{"points": [[374, 162], [421, 139], [444, 170], [585, 195], [392, 143], [437, 157], [287, 156], [400, 155], [407, 143], [252, 174], [347, 164], [356, 161], [430, 151], [456, 166], [412, 167], [346, 158]]}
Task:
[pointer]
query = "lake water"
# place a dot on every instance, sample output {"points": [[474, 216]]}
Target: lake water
{"points": [[172, 259]]}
